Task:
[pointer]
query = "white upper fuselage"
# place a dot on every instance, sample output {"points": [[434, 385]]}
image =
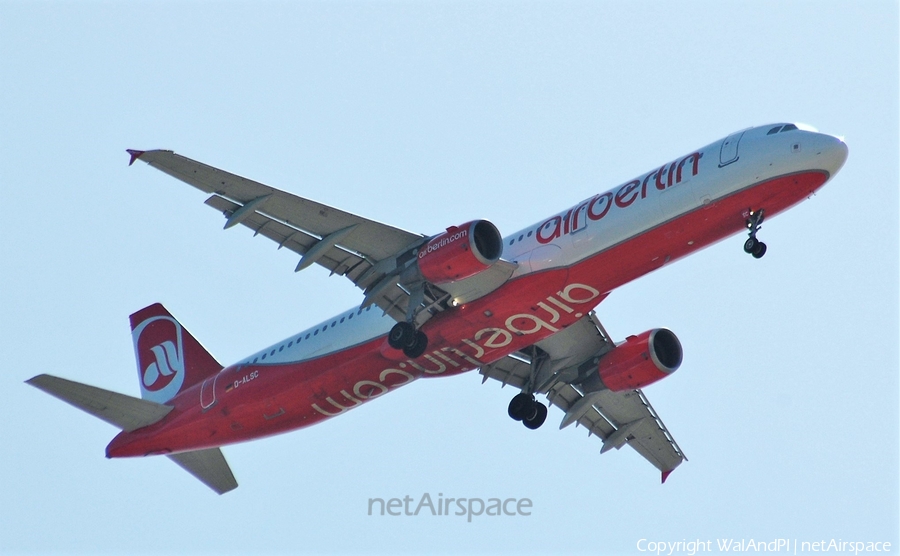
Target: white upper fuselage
{"points": [[605, 220], [752, 156]]}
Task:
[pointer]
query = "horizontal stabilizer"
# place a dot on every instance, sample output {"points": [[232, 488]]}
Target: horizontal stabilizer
{"points": [[122, 411], [209, 466]]}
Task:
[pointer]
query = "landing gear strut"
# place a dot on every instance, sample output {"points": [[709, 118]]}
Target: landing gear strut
{"points": [[525, 408], [754, 246], [405, 336]]}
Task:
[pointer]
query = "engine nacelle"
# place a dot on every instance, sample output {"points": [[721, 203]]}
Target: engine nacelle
{"points": [[460, 252], [640, 360]]}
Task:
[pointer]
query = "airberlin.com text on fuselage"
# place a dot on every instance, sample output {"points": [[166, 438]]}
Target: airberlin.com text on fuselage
{"points": [[491, 338]]}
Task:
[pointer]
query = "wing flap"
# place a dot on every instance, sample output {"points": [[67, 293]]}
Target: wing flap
{"points": [[336, 259], [511, 370], [611, 411]]}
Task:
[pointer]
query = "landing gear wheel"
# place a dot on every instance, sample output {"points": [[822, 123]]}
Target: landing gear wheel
{"points": [[402, 335], [760, 250], [751, 245], [537, 418], [520, 406], [418, 347]]}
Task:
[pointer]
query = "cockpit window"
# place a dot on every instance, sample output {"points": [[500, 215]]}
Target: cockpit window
{"points": [[782, 128]]}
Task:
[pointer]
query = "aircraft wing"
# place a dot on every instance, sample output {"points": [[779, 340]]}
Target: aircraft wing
{"points": [[617, 418], [266, 206], [369, 253]]}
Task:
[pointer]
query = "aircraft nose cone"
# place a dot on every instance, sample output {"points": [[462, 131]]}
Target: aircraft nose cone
{"points": [[834, 152]]}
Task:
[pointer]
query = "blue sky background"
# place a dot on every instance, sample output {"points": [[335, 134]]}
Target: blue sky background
{"points": [[423, 116]]}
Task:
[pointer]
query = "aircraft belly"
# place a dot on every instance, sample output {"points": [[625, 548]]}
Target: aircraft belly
{"points": [[692, 231]]}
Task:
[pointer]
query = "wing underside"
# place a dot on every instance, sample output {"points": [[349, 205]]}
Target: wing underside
{"points": [[617, 418], [370, 254]]}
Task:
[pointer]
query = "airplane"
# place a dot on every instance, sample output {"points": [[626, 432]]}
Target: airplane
{"points": [[520, 309]]}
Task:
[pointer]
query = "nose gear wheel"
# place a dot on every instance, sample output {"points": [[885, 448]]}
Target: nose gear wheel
{"points": [[753, 246]]}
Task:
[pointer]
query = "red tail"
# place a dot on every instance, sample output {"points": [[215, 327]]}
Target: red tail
{"points": [[169, 359]]}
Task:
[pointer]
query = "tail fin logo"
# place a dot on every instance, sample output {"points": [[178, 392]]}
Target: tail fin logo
{"points": [[160, 373], [159, 349]]}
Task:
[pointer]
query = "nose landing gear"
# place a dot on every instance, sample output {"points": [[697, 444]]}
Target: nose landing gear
{"points": [[753, 246]]}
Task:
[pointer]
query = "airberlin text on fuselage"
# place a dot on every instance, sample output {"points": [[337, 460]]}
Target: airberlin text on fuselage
{"points": [[521, 324], [598, 206]]}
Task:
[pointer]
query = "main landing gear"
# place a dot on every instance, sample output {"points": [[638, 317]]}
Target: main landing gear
{"points": [[405, 336], [754, 246], [525, 408]]}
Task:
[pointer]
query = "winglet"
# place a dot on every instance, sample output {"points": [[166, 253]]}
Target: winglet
{"points": [[665, 475], [135, 154]]}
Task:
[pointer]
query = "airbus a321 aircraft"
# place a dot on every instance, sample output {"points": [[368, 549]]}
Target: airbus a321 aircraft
{"points": [[518, 308]]}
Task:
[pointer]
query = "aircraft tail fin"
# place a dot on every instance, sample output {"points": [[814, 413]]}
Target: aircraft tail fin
{"points": [[119, 410], [209, 466], [169, 358]]}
